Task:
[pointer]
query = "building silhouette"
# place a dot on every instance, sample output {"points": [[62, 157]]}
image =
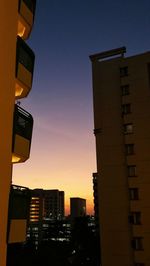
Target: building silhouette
{"points": [[18, 212], [121, 95], [16, 68], [77, 207], [46, 208]]}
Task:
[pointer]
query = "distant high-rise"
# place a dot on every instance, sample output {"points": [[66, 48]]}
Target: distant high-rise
{"points": [[77, 207], [121, 92], [46, 205]]}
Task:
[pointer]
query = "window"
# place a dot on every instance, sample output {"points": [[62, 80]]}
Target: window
{"points": [[25, 59], [125, 90], [139, 264], [135, 218], [24, 56], [23, 123], [133, 193], [129, 149], [97, 131], [137, 243], [131, 170], [126, 108], [29, 3], [148, 68], [128, 128], [123, 71]]}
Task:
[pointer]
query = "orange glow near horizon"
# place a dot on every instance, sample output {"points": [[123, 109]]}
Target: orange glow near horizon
{"points": [[63, 158]]}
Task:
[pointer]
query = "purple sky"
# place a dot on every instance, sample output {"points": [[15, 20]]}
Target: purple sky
{"points": [[65, 33]]}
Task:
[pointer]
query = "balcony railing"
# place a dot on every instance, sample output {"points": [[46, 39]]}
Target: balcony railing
{"points": [[22, 135], [24, 69], [26, 12], [18, 214]]}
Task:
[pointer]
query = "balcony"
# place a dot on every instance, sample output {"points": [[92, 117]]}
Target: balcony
{"points": [[26, 12], [24, 69], [22, 135], [18, 214]]}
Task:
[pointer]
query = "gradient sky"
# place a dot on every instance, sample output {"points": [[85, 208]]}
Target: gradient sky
{"points": [[65, 33]]}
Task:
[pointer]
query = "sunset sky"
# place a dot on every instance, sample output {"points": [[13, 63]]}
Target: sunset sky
{"points": [[65, 33]]}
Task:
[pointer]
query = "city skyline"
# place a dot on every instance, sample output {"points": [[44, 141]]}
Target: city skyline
{"points": [[63, 37]]}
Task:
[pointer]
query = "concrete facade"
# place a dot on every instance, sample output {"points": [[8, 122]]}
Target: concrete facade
{"points": [[46, 205], [121, 95], [15, 20], [8, 17]]}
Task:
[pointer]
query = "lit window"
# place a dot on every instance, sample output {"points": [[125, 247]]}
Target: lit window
{"points": [[128, 128], [131, 170], [123, 71], [137, 243], [133, 194], [125, 90], [34, 220], [126, 108], [34, 198], [135, 218], [129, 149]]}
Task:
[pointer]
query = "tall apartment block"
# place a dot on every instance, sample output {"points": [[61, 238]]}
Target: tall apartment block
{"points": [[121, 93], [77, 207], [45, 206], [16, 68]]}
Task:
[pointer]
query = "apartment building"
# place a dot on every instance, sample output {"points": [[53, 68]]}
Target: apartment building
{"points": [[77, 207], [16, 68], [121, 97], [46, 206]]}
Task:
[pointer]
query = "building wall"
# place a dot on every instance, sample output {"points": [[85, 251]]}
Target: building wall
{"points": [[77, 207], [36, 215], [8, 32], [46, 206], [96, 205], [117, 234], [53, 204]]}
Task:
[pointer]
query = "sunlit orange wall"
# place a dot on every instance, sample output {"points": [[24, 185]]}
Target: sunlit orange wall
{"points": [[8, 30]]}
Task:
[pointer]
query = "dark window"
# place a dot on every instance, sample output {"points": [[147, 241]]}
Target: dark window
{"points": [[139, 264], [29, 3], [125, 90], [19, 202], [137, 243], [24, 55], [131, 170], [133, 193], [97, 131], [23, 123], [129, 149], [135, 218], [126, 108], [128, 128], [123, 71], [148, 68], [25, 59]]}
